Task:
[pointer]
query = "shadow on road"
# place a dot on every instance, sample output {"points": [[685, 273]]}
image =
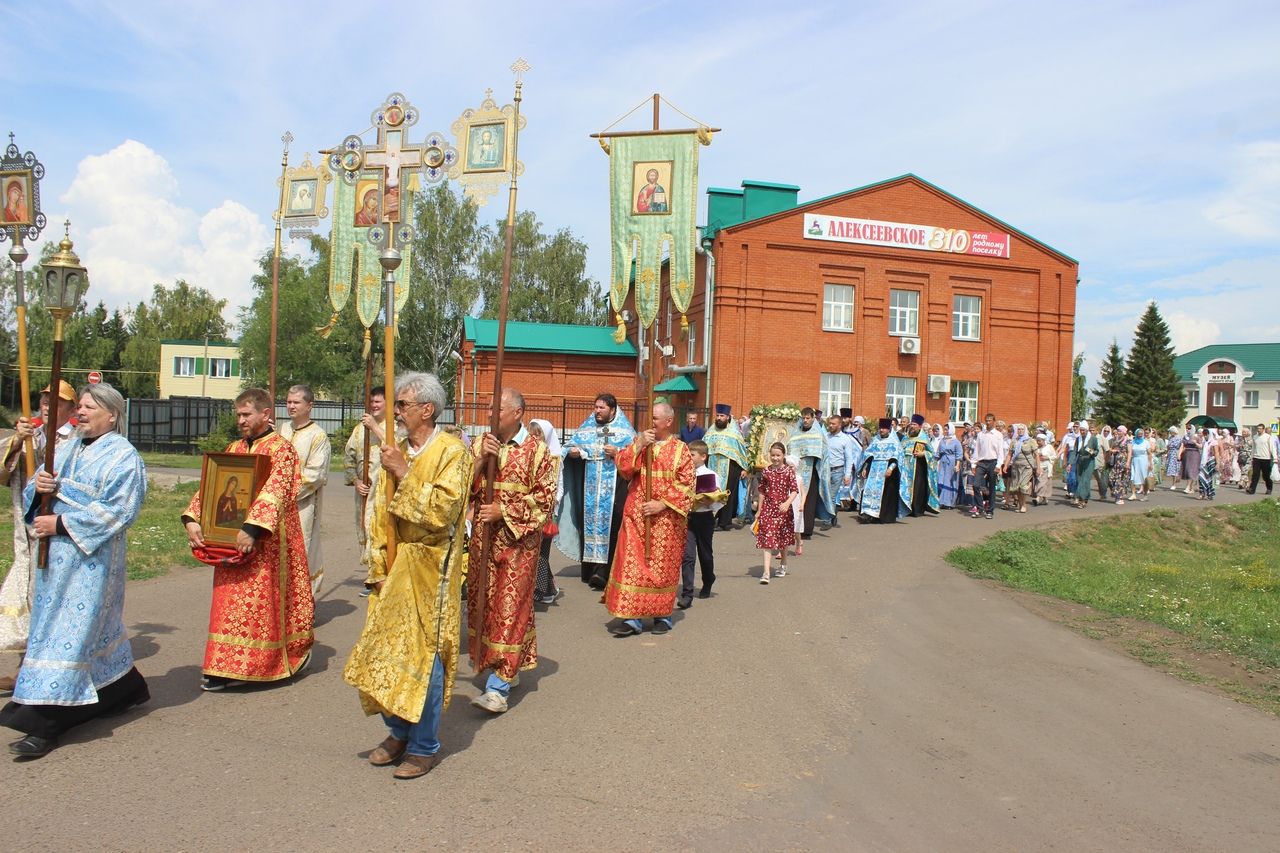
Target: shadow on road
{"points": [[144, 636], [328, 609]]}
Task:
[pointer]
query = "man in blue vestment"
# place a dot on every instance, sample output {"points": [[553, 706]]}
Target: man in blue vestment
{"points": [[881, 499], [591, 511], [727, 456], [808, 443]]}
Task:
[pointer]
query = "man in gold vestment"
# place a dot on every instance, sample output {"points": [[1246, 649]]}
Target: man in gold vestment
{"points": [[262, 614], [645, 574], [524, 495], [404, 663]]}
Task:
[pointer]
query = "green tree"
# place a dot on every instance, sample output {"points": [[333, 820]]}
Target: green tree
{"points": [[1108, 400], [445, 290], [180, 312], [332, 365], [549, 283], [1079, 391], [1151, 394]]}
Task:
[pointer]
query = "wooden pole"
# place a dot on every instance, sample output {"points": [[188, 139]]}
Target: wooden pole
{"points": [[479, 580], [51, 432], [275, 274], [18, 254]]}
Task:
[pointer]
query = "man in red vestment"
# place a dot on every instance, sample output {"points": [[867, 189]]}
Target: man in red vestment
{"points": [[645, 575], [262, 615], [524, 495]]}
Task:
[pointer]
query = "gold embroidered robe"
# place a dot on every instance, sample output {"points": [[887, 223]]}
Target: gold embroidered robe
{"points": [[262, 614], [645, 585], [525, 488], [417, 613]]}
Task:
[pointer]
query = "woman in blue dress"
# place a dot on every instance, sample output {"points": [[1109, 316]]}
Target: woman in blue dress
{"points": [[950, 453]]}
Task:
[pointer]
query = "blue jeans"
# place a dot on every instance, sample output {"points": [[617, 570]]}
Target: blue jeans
{"points": [[639, 626], [836, 483], [497, 685], [423, 736]]}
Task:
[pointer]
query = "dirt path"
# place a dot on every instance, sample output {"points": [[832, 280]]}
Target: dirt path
{"points": [[876, 699]]}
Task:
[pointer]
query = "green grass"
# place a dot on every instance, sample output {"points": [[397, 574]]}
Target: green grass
{"points": [[184, 460], [157, 539], [1209, 574]]}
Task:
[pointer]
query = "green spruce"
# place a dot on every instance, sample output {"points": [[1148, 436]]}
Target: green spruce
{"points": [[1151, 395], [1108, 398]]}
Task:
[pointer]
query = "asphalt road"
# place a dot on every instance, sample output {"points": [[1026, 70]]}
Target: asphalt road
{"points": [[875, 699]]}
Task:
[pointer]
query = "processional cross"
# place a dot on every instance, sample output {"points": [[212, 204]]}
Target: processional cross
{"points": [[392, 154]]}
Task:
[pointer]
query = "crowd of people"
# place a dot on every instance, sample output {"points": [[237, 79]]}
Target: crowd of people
{"points": [[447, 524]]}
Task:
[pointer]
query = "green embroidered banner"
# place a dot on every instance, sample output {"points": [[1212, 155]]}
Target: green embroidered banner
{"points": [[653, 202], [353, 260]]}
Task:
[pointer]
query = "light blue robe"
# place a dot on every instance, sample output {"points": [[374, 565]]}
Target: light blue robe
{"points": [[589, 489], [880, 452], [908, 479], [810, 447], [78, 642], [950, 451]]}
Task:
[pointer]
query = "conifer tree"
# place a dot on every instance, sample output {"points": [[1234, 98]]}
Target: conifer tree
{"points": [[1107, 399], [1151, 394]]}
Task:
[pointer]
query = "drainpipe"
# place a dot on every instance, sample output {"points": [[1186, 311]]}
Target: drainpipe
{"points": [[707, 311]]}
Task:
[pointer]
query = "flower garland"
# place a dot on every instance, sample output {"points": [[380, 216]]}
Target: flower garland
{"points": [[785, 411]]}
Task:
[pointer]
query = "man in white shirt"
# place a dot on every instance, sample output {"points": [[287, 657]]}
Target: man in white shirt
{"points": [[988, 452], [1265, 454], [312, 445]]}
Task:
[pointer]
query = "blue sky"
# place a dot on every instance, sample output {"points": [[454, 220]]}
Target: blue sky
{"points": [[1141, 138]]}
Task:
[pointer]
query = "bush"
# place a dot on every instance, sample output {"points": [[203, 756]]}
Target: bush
{"points": [[224, 432]]}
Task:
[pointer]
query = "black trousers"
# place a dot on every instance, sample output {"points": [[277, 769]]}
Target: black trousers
{"points": [[545, 584], [51, 721], [697, 545], [811, 504], [984, 484], [1261, 468], [724, 518]]}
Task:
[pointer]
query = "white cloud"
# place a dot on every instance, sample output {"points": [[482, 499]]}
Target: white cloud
{"points": [[1250, 204], [132, 232], [1190, 332]]}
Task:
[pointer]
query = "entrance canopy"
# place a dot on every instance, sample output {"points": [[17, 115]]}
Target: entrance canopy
{"points": [[1212, 422]]}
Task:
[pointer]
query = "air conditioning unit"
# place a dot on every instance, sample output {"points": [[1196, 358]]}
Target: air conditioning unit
{"points": [[939, 384], [909, 346]]}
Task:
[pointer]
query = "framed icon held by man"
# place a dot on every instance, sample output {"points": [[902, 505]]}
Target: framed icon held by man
{"points": [[228, 484]]}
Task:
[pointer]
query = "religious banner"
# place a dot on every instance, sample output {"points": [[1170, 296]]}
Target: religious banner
{"points": [[373, 207], [20, 176], [653, 180], [305, 193], [486, 154]]}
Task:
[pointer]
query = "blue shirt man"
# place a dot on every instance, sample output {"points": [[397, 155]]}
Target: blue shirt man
{"points": [[843, 456]]}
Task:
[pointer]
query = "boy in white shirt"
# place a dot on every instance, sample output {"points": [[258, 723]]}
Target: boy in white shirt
{"points": [[707, 501]]}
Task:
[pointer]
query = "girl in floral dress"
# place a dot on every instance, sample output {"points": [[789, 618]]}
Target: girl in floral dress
{"points": [[775, 527]]}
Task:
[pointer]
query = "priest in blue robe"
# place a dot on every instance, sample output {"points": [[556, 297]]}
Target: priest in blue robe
{"points": [[919, 474], [881, 499], [590, 514], [808, 443], [79, 664], [727, 456]]}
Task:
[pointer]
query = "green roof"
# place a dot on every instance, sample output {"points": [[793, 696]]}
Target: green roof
{"points": [[547, 337], [677, 385], [213, 342], [1262, 360]]}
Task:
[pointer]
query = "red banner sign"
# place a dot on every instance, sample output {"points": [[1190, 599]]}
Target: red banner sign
{"points": [[899, 235]]}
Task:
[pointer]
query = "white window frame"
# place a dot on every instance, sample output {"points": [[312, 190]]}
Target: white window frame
{"points": [[1216, 396], [963, 408], [184, 366], [966, 325], [897, 403], [692, 344], [1193, 398], [904, 320], [838, 314], [1251, 395], [835, 392], [215, 360]]}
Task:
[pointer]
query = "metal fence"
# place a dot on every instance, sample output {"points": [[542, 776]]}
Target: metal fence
{"points": [[178, 424], [565, 415]]}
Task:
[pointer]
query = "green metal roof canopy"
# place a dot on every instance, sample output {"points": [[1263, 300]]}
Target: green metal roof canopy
{"points": [[677, 385], [547, 337], [1212, 423]]}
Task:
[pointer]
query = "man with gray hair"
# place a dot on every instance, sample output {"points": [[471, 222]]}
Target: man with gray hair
{"points": [[312, 444], [407, 655], [655, 523]]}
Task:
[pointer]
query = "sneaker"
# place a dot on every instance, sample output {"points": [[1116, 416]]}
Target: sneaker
{"points": [[550, 599], [684, 602], [781, 572], [491, 701], [973, 513], [764, 581], [661, 626], [988, 515], [364, 592], [216, 683]]}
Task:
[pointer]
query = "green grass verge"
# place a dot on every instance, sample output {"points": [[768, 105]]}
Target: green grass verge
{"points": [[157, 540], [1210, 574], [184, 460]]}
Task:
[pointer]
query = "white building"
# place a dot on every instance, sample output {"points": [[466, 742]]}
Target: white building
{"points": [[1236, 382]]}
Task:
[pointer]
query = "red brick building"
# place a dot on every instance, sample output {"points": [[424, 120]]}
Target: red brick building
{"points": [[894, 296]]}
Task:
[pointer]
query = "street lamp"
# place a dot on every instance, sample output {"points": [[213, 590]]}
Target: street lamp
{"points": [[62, 282]]}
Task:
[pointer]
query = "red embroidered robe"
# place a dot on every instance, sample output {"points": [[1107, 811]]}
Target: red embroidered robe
{"points": [[526, 489], [645, 585], [262, 614]]}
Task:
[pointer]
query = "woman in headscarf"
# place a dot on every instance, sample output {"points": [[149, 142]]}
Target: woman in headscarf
{"points": [[1121, 456], [1159, 454], [949, 456], [1192, 448], [1043, 482], [1245, 456], [1225, 451], [1022, 464], [1173, 458], [1140, 466], [545, 590], [1208, 466]]}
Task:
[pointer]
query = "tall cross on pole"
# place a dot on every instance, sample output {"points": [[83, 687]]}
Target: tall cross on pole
{"points": [[275, 273]]}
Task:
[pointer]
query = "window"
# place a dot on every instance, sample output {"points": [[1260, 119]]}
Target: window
{"points": [[904, 312], [1251, 399], [220, 368], [964, 402], [184, 365], [900, 397], [691, 339], [837, 307], [1219, 399], [1193, 398], [966, 318], [835, 392]]}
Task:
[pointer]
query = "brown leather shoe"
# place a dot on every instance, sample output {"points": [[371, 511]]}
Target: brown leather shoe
{"points": [[414, 766], [7, 683], [388, 752]]}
